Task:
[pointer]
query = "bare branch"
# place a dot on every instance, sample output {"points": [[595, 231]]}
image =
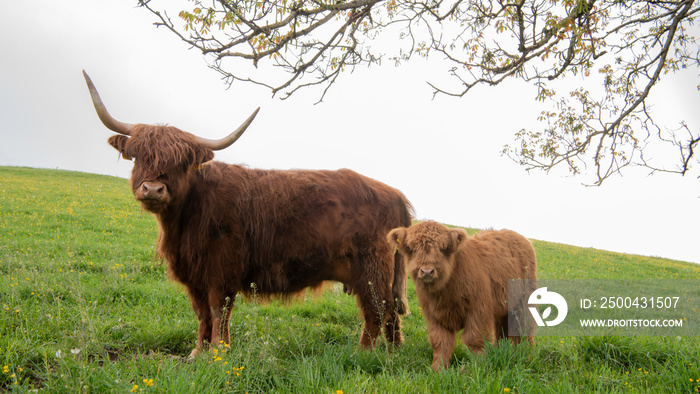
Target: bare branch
{"points": [[622, 46]]}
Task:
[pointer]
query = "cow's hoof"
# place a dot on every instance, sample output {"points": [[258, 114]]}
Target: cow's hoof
{"points": [[193, 355]]}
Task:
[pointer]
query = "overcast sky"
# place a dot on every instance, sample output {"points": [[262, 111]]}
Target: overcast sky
{"points": [[444, 154]]}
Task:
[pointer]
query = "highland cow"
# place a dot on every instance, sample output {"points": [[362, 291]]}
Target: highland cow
{"points": [[226, 229], [462, 283]]}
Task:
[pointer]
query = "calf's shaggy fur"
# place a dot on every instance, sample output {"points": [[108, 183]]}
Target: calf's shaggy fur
{"points": [[462, 283]]}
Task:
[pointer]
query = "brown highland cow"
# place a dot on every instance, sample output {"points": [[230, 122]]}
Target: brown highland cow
{"points": [[462, 283], [227, 229]]}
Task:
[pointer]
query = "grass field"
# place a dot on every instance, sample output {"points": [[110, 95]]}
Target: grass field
{"points": [[87, 308]]}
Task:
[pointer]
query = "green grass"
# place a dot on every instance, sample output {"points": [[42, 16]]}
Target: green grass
{"points": [[86, 308]]}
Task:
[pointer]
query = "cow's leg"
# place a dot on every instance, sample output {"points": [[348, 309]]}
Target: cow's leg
{"points": [[220, 306], [373, 310], [201, 309], [226, 318], [375, 274], [374, 293], [378, 310], [371, 326], [392, 320], [443, 343], [392, 327]]}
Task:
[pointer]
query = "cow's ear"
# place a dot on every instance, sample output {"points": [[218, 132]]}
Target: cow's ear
{"points": [[396, 237], [203, 155], [118, 142], [457, 236]]}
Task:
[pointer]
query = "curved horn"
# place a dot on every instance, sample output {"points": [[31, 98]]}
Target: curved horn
{"points": [[105, 117], [228, 140]]}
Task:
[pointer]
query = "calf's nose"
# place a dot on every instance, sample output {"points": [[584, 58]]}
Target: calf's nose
{"points": [[427, 271], [152, 190]]}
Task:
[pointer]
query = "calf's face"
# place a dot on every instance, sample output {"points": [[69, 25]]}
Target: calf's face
{"points": [[429, 249]]}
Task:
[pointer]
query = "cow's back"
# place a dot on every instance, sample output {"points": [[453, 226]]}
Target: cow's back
{"points": [[317, 207]]}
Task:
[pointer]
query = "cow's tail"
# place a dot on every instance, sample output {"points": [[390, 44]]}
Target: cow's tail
{"points": [[400, 278], [399, 286]]}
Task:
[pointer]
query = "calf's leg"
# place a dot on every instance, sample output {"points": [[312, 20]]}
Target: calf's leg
{"points": [[443, 343], [478, 327]]}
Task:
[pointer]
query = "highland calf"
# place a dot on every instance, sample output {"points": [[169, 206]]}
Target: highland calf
{"points": [[462, 283], [226, 229]]}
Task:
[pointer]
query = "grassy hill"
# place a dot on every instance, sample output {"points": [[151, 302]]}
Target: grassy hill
{"points": [[85, 307]]}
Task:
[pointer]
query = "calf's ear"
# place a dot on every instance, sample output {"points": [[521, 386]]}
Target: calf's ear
{"points": [[396, 236], [457, 235], [118, 142]]}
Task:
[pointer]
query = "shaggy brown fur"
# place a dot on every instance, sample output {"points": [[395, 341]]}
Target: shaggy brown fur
{"points": [[224, 227], [462, 282]]}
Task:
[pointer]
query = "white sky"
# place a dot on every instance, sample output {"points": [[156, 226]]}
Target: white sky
{"points": [[444, 154]]}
